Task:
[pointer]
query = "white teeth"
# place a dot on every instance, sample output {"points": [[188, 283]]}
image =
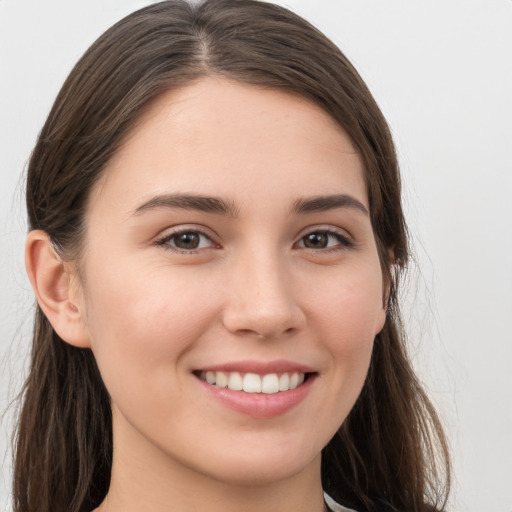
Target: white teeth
{"points": [[284, 382], [270, 384], [252, 382], [221, 379], [235, 381], [294, 380]]}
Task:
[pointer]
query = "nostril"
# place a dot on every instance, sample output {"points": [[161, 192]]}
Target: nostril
{"points": [[270, 320], [268, 335]]}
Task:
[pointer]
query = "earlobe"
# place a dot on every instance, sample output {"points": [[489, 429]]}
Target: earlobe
{"points": [[381, 320], [51, 282]]}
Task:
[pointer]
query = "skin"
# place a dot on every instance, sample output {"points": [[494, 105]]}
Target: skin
{"points": [[252, 291]]}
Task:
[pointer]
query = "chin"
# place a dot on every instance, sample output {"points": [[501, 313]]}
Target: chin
{"points": [[257, 467], [254, 474]]}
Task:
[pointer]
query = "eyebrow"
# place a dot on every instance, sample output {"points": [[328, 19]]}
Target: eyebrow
{"points": [[189, 202], [220, 206], [325, 203]]}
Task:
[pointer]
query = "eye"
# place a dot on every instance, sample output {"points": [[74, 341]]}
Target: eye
{"points": [[188, 240], [324, 239]]}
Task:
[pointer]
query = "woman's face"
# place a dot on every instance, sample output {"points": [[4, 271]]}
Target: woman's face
{"points": [[229, 244]]}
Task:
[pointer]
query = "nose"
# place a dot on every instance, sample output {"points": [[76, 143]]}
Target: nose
{"points": [[262, 301]]}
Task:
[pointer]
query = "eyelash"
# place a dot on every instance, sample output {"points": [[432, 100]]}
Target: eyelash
{"points": [[344, 242], [166, 239]]}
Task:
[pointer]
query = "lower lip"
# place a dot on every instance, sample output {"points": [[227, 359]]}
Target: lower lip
{"points": [[260, 405]]}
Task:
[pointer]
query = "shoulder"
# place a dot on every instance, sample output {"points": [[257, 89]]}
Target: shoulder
{"points": [[335, 507]]}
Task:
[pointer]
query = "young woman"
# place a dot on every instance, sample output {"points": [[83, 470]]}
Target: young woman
{"points": [[216, 238]]}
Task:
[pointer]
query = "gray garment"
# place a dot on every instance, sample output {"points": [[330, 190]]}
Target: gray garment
{"points": [[334, 506]]}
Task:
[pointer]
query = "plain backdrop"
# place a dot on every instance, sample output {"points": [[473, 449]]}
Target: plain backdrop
{"points": [[442, 73]]}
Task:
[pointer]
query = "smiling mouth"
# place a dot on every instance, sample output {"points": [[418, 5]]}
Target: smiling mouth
{"points": [[268, 384]]}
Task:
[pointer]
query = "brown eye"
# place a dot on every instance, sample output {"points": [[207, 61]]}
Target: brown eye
{"points": [[324, 240], [317, 240], [188, 240], [185, 241]]}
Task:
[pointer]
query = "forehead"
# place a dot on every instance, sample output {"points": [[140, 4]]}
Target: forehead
{"points": [[224, 138]]}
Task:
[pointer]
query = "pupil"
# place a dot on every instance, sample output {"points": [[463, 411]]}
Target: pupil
{"points": [[316, 240], [187, 241]]}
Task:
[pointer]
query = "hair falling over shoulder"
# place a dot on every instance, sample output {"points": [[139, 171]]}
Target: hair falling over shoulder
{"points": [[390, 453]]}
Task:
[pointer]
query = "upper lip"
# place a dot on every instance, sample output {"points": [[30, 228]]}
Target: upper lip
{"points": [[259, 367]]}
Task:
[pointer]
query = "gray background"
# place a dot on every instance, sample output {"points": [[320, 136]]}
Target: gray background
{"points": [[441, 71]]}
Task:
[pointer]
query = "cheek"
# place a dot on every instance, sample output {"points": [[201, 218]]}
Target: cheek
{"points": [[142, 323], [349, 313], [350, 302]]}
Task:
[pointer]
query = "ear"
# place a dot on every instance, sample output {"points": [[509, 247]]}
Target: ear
{"points": [[388, 282], [386, 289], [52, 284]]}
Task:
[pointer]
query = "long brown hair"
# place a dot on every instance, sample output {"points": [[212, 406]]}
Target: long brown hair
{"points": [[390, 453]]}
